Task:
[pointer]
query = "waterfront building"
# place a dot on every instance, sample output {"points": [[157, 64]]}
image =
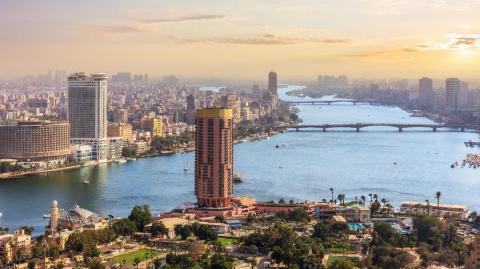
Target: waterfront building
{"points": [[87, 112], [472, 260], [71, 219], [414, 208], [35, 141], [123, 130], [425, 92], [115, 147], [81, 153], [214, 157], [155, 126], [452, 87]]}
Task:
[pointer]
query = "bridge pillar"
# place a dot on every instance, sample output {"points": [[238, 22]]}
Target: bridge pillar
{"points": [[358, 129], [324, 129], [462, 129], [434, 129], [296, 129], [400, 129], [354, 103]]}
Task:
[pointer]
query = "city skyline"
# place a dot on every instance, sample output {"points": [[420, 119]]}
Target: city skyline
{"points": [[300, 39]]}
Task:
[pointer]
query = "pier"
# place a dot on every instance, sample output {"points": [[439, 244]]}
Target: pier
{"points": [[472, 144], [329, 102], [399, 126]]}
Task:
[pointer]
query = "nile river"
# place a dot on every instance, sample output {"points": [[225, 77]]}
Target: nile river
{"points": [[310, 163]]}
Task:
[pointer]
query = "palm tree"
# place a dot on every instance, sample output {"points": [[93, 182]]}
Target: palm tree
{"points": [[437, 195], [384, 201], [371, 198], [363, 199], [340, 198], [356, 200], [331, 190], [375, 196]]}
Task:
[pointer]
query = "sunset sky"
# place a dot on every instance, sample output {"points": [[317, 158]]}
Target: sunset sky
{"points": [[242, 39]]}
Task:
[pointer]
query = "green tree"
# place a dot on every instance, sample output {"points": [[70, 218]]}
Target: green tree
{"points": [[141, 216], [183, 231], [158, 228], [437, 196], [124, 227], [27, 229]]}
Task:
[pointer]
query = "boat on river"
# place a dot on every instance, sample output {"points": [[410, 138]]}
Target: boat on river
{"points": [[186, 168], [237, 178]]}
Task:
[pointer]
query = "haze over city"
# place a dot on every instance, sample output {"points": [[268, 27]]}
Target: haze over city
{"points": [[243, 39], [287, 134]]}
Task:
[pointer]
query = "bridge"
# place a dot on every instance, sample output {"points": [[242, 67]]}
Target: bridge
{"points": [[399, 126], [328, 102]]}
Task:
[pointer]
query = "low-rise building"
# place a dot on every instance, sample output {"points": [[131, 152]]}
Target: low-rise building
{"points": [[414, 208], [472, 260], [81, 153]]}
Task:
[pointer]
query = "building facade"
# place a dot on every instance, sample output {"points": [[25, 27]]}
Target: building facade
{"points": [[472, 260], [87, 112], [35, 141], [214, 157], [452, 87], [425, 92], [414, 208]]}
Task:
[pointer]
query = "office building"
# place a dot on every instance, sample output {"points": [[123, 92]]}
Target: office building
{"points": [[214, 157], [425, 92], [272, 83], [452, 87], [87, 112], [154, 126], [123, 130], [34, 141]]}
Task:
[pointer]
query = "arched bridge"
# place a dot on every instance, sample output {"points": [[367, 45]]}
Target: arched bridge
{"points": [[399, 126], [328, 102]]}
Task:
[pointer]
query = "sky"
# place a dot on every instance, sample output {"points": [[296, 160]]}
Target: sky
{"points": [[242, 39]]}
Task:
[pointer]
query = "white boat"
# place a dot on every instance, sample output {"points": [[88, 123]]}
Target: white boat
{"points": [[1, 214], [86, 181], [186, 168], [237, 178], [120, 161], [395, 163], [46, 216]]}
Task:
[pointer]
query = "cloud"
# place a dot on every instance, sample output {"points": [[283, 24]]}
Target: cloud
{"points": [[454, 41], [266, 39], [202, 17], [114, 29]]}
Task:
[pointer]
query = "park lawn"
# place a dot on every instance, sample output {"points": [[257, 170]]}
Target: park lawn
{"points": [[226, 241], [351, 203], [130, 257], [331, 259]]}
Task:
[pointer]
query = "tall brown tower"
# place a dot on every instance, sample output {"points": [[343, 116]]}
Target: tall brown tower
{"points": [[272, 83], [214, 157]]}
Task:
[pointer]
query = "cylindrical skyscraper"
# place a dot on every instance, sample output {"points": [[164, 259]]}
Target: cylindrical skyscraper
{"points": [[214, 157]]}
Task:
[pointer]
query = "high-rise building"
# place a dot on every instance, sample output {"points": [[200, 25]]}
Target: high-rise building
{"points": [[272, 83], [155, 126], [425, 91], [191, 106], [214, 157], [452, 87], [87, 112]]}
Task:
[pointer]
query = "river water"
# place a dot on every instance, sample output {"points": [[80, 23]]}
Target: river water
{"points": [[311, 162]]}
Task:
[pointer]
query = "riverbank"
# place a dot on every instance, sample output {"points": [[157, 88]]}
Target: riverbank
{"points": [[187, 149], [18, 175]]}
